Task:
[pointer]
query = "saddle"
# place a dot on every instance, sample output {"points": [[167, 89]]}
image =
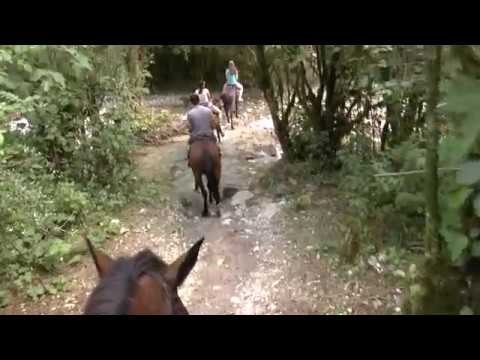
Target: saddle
{"points": [[202, 138]]}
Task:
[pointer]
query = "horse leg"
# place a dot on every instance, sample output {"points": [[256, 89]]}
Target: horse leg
{"points": [[229, 119], [236, 106], [220, 133], [210, 193], [219, 129], [216, 185], [204, 194], [225, 108]]}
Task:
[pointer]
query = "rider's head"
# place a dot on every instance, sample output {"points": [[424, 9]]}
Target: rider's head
{"points": [[231, 64], [195, 99]]}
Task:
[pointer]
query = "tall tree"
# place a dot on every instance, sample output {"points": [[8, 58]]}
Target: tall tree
{"points": [[432, 243], [274, 96]]}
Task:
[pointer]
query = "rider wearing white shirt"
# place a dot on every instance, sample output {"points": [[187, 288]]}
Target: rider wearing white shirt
{"points": [[203, 94], [206, 98]]}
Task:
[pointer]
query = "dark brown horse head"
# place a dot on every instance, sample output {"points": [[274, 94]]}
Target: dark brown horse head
{"points": [[140, 285]]}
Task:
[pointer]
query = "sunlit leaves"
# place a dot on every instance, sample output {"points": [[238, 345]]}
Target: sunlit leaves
{"points": [[463, 105], [456, 199], [456, 243]]}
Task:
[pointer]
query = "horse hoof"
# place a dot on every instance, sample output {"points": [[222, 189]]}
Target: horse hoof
{"points": [[219, 214], [205, 214]]}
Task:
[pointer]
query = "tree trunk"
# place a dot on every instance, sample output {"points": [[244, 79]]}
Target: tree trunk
{"points": [[266, 84], [384, 136], [432, 243], [132, 63], [437, 286]]}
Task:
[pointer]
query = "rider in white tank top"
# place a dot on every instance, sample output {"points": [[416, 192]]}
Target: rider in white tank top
{"points": [[203, 94]]}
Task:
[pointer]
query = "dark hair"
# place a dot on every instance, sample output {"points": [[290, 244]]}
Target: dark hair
{"points": [[195, 99]]}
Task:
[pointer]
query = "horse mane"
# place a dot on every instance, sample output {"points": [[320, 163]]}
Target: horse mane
{"points": [[112, 294]]}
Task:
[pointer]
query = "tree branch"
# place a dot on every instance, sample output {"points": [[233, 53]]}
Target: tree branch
{"points": [[352, 105], [323, 79], [310, 95], [290, 105], [413, 172], [319, 63]]}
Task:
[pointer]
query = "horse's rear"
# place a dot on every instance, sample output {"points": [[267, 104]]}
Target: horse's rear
{"points": [[229, 100], [205, 160]]}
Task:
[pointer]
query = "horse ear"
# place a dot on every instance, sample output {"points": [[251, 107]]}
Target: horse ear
{"points": [[102, 261], [178, 271]]}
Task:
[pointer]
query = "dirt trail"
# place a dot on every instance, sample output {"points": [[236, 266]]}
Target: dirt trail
{"points": [[258, 257]]}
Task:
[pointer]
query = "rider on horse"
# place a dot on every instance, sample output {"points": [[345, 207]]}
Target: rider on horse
{"points": [[206, 98], [204, 94], [231, 73], [201, 124]]}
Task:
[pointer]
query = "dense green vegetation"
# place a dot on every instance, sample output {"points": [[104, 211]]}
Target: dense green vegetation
{"points": [[396, 124], [73, 167], [399, 121]]}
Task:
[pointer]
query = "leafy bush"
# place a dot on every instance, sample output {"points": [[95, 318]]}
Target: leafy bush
{"points": [[149, 120], [393, 205], [73, 166]]}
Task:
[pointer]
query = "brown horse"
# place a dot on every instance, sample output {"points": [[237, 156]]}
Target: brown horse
{"points": [[205, 160], [230, 103], [140, 285]]}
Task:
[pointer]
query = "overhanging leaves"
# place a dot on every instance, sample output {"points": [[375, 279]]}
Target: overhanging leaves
{"points": [[464, 108], [456, 243]]}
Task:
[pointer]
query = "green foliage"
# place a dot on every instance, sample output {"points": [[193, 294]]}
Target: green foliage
{"points": [[366, 106], [186, 65], [150, 122], [303, 202], [385, 210], [459, 200], [73, 167], [461, 103], [469, 173], [409, 204]]}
